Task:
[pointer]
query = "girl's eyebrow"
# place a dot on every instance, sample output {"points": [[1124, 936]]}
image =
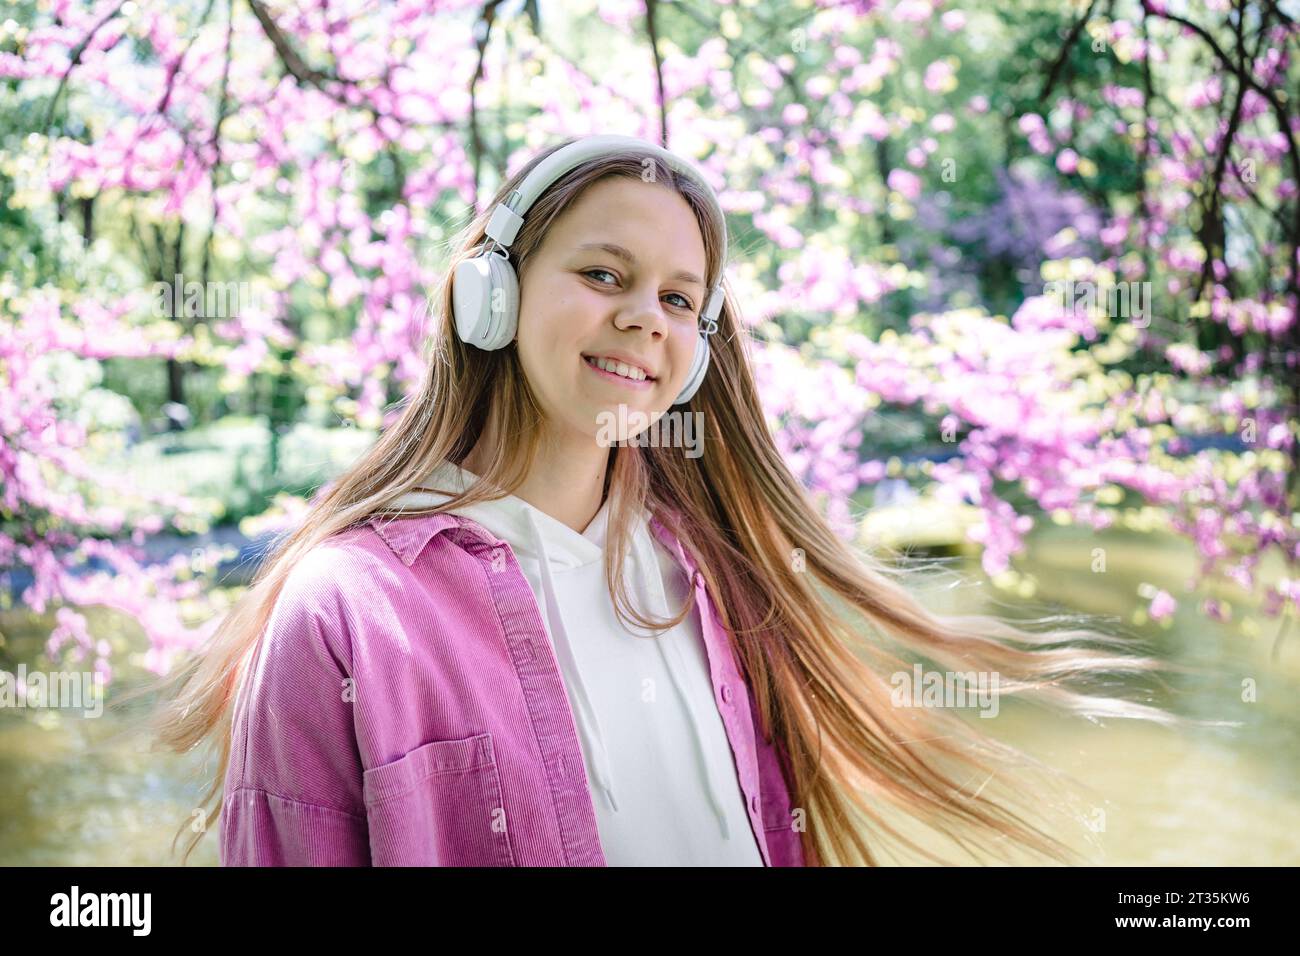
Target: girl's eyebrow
{"points": [[614, 249]]}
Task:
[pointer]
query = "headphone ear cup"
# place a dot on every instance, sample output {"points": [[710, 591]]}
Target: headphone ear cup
{"points": [[503, 306], [485, 301], [699, 365], [470, 297]]}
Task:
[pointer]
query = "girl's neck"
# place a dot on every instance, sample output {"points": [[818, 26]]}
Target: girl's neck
{"points": [[567, 481]]}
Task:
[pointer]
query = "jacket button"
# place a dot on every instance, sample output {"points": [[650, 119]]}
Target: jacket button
{"points": [[726, 693], [753, 803], [697, 579]]}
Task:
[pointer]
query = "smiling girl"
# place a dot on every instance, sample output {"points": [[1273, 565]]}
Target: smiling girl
{"points": [[499, 640]]}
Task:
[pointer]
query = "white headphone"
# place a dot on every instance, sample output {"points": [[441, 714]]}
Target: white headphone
{"points": [[489, 278]]}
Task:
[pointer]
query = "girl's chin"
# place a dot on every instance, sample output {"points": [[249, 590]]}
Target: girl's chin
{"points": [[626, 411], [626, 419]]}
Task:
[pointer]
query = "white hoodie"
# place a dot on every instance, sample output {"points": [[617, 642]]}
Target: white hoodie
{"points": [[651, 735]]}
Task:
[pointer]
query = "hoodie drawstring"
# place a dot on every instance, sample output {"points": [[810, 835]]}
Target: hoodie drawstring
{"points": [[586, 713], [671, 653]]}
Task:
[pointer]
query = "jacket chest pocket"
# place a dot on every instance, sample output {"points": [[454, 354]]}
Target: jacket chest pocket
{"points": [[438, 805]]}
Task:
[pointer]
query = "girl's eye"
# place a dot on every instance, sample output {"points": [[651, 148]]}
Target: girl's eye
{"points": [[686, 304]]}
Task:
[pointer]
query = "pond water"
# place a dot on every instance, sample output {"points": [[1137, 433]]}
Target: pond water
{"points": [[73, 792]]}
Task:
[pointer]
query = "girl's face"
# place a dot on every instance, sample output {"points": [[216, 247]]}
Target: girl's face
{"points": [[580, 299]]}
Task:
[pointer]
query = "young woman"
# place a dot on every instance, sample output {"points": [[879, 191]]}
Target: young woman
{"points": [[501, 639]]}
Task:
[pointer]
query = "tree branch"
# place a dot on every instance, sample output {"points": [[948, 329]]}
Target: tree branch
{"points": [[659, 70], [74, 59], [1064, 55]]}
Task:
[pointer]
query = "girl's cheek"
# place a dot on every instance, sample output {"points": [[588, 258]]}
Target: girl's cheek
{"points": [[686, 341], [584, 299]]}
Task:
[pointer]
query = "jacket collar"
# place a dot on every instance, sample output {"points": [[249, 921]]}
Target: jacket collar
{"points": [[407, 535]]}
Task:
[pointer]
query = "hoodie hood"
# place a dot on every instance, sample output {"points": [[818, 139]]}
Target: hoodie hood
{"points": [[543, 546]]}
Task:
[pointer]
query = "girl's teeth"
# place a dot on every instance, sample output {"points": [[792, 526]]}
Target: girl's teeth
{"points": [[618, 368]]}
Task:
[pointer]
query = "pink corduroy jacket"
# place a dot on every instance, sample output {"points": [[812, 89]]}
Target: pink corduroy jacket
{"points": [[405, 708]]}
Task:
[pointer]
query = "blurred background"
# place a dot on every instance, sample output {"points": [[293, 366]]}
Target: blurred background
{"points": [[1021, 277]]}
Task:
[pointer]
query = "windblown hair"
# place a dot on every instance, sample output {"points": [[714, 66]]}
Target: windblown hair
{"points": [[808, 614]]}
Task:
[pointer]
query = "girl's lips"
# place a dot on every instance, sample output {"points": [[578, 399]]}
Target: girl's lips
{"points": [[641, 386]]}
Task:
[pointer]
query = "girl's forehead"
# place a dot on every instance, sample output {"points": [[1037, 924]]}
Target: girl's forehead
{"points": [[654, 201], [597, 218]]}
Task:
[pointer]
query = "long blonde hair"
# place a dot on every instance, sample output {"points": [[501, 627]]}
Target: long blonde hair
{"points": [[808, 615]]}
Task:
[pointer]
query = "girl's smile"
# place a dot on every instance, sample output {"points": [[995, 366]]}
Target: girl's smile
{"points": [[644, 385]]}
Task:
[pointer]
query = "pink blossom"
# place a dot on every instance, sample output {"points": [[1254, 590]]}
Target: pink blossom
{"points": [[1162, 606], [908, 184], [937, 75]]}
